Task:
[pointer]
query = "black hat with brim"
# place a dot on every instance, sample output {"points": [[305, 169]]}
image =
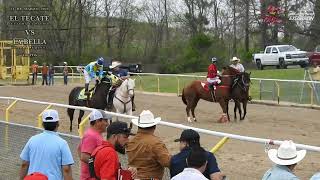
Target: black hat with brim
{"points": [[188, 135]]}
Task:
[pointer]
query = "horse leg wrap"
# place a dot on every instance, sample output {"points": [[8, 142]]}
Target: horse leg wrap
{"points": [[189, 119]]}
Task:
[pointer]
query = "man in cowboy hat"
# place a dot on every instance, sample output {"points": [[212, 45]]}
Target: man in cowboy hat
{"points": [[146, 151], [116, 70], [236, 64], [123, 75], [286, 158]]}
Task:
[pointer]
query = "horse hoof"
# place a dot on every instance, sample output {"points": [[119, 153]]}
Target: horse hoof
{"points": [[189, 120], [194, 119]]}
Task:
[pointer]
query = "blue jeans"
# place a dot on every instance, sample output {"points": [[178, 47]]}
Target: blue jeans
{"points": [[51, 80], [65, 79]]}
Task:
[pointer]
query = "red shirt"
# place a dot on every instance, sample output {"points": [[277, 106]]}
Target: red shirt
{"points": [[90, 140], [212, 71], [106, 163], [44, 70], [34, 68]]}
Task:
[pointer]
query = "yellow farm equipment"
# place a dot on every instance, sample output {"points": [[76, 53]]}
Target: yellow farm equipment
{"points": [[12, 64]]}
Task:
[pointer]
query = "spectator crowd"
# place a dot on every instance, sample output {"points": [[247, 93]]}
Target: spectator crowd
{"points": [[47, 156], [47, 73]]}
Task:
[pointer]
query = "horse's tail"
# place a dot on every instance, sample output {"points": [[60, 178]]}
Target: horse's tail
{"points": [[183, 97]]}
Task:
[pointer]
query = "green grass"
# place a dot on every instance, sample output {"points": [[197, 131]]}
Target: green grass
{"points": [[292, 74], [288, 91], [169, 84]]}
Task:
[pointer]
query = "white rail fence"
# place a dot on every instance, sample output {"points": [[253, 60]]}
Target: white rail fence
{"points": [[288, 91], [174, 125]]}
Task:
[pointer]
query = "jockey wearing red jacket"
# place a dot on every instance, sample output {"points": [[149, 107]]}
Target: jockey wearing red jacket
{"points": [[212, 76]]}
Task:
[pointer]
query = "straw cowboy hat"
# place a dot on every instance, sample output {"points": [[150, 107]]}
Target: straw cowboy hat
{"points": [[235, 59], [146, 119], [115, 64], [286, 154]]}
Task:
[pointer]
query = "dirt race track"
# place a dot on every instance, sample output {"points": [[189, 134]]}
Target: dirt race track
{"points": [[237, 159]]}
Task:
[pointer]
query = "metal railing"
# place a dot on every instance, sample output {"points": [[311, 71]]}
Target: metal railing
{"points": [[168, 124], [261, 89]]}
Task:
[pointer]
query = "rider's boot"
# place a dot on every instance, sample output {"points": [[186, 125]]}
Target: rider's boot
{"points": [[212, 93], [133, 104], [86, 87], [110, 100]]}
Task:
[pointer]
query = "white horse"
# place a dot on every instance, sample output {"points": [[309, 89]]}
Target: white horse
{"points": [[122, 100]]}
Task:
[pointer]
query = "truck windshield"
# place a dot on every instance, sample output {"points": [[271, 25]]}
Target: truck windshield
{"points": [[287, 48]]}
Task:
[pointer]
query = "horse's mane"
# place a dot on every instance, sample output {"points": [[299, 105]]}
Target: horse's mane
{"points": [[227, 70]]}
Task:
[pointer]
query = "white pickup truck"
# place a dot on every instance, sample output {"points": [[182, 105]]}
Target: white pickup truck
{"points": [[281, 56]]}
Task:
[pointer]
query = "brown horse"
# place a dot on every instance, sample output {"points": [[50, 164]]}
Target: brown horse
{"points": [[192, 93]]}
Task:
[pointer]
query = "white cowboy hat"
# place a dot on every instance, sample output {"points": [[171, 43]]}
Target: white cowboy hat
{"points": [[286, 154], [115, 64], [34, 61], [65, 63], [235, 59], [146, 119]]}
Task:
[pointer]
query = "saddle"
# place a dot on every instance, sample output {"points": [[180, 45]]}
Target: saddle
{"points": [[206, 86], [82, 96]]}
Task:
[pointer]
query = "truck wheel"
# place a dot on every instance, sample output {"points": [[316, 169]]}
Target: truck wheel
{"points": [[282, 64], [259, 65]]}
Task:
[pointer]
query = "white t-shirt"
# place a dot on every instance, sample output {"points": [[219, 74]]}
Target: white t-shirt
{"points": [[189, 174], [238, 66]]}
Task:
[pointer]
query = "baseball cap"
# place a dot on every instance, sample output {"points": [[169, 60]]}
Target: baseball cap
{"points": [[119, 127], [50, 115], [188, 135], [36, 176], [99, 114]]}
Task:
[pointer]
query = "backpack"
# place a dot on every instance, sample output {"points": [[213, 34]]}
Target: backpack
{"points": [[91, 161]]}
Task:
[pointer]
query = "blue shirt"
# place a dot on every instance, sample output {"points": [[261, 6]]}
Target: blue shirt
{"points": [[279, 172], [120, 73], [178, 163], [94, 70], [47, 153]]}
